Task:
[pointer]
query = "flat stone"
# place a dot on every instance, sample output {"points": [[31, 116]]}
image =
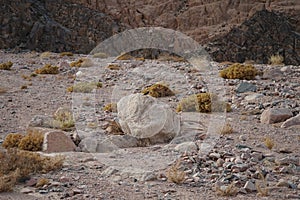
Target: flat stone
{"points": [[249, 186], [186, 147], [275, 115], [57, 141], [253, 97], [246, 87], [294, 121], [282, 183], [26, 190]]}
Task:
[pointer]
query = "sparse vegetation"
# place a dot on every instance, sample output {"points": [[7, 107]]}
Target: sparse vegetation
{"points": [[125, 56], [77, 63], [113, 67], [17, 164], [269, 143], [12, 140], [276, 59], [202, 102], [84, 87], [6, 66], [25, 77], [42, 181], [63, 119], [46, 54], [262, 188], [66, 54], [158, 90], [47, 69], [100, 55], [239, 71], [111, 107], [114, 128], [175, 174], [226, 191], [23, 87], [32, 141], [227, 129], [82, 62]]}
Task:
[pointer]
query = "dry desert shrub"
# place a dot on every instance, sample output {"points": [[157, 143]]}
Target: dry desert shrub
{"points": [[47, 69], [158, 90], [230, 190], [66, 54], [32, 141], [12, 140], [276, 59], [262, 188], [46, 54], [227, 129], [84, 87], [42, 181], [2, 90], [63, 119], [240, 71], [82, 62], [175, 174], [202, 102], [114, 67], [111, 107], [17, 164], [269, 143], [6, 66]]}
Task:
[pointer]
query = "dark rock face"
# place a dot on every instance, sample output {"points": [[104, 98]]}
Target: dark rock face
{"points": [[263, 35], [53, 26]]}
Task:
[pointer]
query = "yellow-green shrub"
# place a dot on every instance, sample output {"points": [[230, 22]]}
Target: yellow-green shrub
{"points": [[202, 102], [84, 87], [239, 71], [12, 140], [111, 107], [32, 141], [47, 69], [6, 66], [158, 90]]}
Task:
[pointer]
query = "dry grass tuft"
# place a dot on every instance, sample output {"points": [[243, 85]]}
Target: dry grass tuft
{"points": [[227, 129], [175, 175], [32, 141], [111, 107], [276, 60], [100, 55], [12, 140], [269, 143], [6, 66], [230, 190], [63, 119], [16, 165], [114, 67], [114, 128], [82, 62], [47, 69], [158, 90], [42, 181], [66, 54], [262, 188], [84, 87], [125, 56]]}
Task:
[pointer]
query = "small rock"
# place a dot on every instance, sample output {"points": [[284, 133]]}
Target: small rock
{"points": [[287, 161], [31, 182], [249, 186], [246, 87], [253, 97], [186, 147], [256, 156], [26, 190], [77, 191], [293, 196], [242, 138], [57, 141], [220, 162], [214, 156], [282, 183], [43, 191], [275, 115], [294, 121]]}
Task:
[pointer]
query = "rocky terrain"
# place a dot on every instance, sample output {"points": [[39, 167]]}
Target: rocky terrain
{"points": [[240, 162], [78, 26]]}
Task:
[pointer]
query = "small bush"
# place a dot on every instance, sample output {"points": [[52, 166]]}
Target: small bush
{"points": [[111, 107], [114, 128], [230, 190], [46, 54], [175, 175], [239, 71], [158, 90], [125, 56], [113, 67], [23, 87], [269, 143], [6, 66], [16, 165], [84, 87], [82, 62], [262, 188], [47, 69], [202, 103], [77, 63], [227, 129], [66, 54], [32, 141], [12, 140], [63, 119], [276, 60]]}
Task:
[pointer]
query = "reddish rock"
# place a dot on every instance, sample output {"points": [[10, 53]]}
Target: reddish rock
{"points": [[57, 141], [275, 115]]}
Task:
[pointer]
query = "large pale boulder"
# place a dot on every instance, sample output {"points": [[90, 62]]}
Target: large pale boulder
{"points": [[275, 115], [143, 116]]}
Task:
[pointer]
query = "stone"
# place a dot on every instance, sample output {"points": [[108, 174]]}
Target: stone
{"points": [[275, 115], [26, 190], [294, 121], [220, 162], [41, 121], [253, 97], [246, 87], [143, 116], [186, 147], [282, 183], [57, 141], [288, 161], [31, 182], [249, 186]]}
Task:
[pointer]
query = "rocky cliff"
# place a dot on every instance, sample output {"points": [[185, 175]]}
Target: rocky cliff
{"points": [[78, 25]]}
